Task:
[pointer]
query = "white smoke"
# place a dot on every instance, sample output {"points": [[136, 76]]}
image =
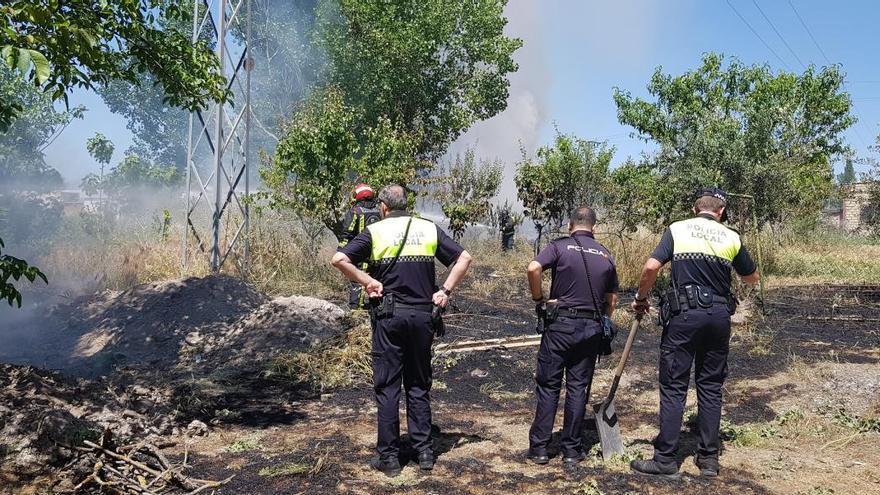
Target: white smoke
{"points": [[526, 113]]}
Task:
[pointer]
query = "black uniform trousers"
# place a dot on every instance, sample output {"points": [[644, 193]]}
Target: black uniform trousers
{"points": [[700, 336], [402, 354], [570, 345]]}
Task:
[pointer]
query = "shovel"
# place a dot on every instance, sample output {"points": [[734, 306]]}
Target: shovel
{"points": [[606, 416]]}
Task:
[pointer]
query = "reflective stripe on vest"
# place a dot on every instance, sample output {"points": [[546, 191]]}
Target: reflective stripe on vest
{"points": [[421, 242], [701, 238]]}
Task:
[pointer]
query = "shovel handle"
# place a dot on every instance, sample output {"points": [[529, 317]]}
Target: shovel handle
{"points": [[618, 372]]}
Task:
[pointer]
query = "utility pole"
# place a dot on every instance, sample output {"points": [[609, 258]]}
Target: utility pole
{"points": [[219, 142]]}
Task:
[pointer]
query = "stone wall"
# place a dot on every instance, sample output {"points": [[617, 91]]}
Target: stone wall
{"points": [[853, 216]]}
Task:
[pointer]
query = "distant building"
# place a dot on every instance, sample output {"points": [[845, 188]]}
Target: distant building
{"points": [[855, 211]]}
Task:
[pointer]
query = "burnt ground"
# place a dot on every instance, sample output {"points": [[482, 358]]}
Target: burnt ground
{"points": [[800, 381], [802, 410]]}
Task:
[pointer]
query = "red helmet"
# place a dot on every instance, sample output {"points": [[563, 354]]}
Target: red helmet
{"points": [[362, 191]]}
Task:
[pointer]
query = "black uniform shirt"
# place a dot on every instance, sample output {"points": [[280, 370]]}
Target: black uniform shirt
{"points": [[362, 214], [570, 285], [412, 279], [704, 254]]}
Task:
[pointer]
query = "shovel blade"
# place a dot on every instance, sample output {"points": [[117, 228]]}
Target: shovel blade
{"points": [[609, 430]]}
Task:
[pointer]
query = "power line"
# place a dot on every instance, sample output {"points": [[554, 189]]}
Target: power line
{"points": [[772, 26], [828, 61], [810, 33], [757, 35]]}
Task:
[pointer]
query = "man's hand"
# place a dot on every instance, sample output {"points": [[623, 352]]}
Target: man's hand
{"points": [[374, 288], [641, 307], [440, 298]]}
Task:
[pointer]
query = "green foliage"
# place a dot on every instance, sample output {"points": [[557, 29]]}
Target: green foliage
{"points": [[433, 67], [29, 218], [570, 173], [503, 215], [636, 197], [134, 172], [100, 148], [871, 210], [288, 469], [466, 190], [863, 425], [588, 487], [15, 268], [22, 163], [247, 443], [91, 184], [107, 40], [324, 153], [745, 129], [848, 176]]}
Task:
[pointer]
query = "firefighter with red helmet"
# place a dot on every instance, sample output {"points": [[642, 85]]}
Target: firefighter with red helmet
{"points": [[363, 212]]}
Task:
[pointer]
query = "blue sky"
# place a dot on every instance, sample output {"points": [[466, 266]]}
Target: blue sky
{"points": [[576, 51]]}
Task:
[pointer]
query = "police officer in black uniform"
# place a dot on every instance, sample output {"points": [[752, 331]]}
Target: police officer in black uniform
{"points": [[695, 314], [583, 291], [364, 211], [401, 284]]}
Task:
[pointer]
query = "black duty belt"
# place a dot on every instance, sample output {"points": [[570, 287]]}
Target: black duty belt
{"points": [[427, 308], [586, 314]]}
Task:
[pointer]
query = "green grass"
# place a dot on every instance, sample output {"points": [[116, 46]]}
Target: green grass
{"points": [[289, 469], [246, 443]]}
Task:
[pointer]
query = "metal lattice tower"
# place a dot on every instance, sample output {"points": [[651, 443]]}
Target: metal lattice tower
{"points": [[218, 150]]}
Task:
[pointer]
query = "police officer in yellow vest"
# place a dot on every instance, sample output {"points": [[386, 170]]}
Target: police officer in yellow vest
{"points": [[401, 284], [695, 315]]}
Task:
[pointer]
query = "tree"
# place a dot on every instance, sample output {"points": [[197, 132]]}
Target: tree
{"points": [[745, 129], [570, 173], [636, 197], [466, 190], [134, 172], [15, 268], [101, 149], [433, 67], [107, 40], [324, 153], [22, 163], [499, 215], [158, 130], [848, 176]]}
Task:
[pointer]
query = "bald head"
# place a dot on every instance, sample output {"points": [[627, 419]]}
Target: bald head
{"points": [[393, 197], [583, 218]]}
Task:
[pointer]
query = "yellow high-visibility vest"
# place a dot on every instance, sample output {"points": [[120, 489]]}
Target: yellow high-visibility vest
{"points": [[386, 235], [702, 238]]}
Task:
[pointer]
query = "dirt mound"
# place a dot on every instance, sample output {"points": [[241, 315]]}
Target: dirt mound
{"points": [[281, 325], [148, 325]]}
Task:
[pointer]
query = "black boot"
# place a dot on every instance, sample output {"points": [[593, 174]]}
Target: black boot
{"points": [[572, 459], [667, 469], [426, 461], [387, 466], [538, 456], [708, 465]]}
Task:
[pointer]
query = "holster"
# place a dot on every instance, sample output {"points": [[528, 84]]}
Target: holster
{"points": [[552, 313], [673, 302], [382, 307], [437, 325], [609, 332]]}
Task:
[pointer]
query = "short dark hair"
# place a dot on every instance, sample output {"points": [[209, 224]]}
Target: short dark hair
{"points": [[708, 203], [394, 197], [583, 217]]}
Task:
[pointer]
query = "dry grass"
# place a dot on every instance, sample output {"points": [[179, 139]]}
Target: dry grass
{"points": [[825, 262], [337, 362]]}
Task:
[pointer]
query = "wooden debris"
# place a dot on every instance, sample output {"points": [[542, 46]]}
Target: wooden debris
{"points": [[139, 469]]}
